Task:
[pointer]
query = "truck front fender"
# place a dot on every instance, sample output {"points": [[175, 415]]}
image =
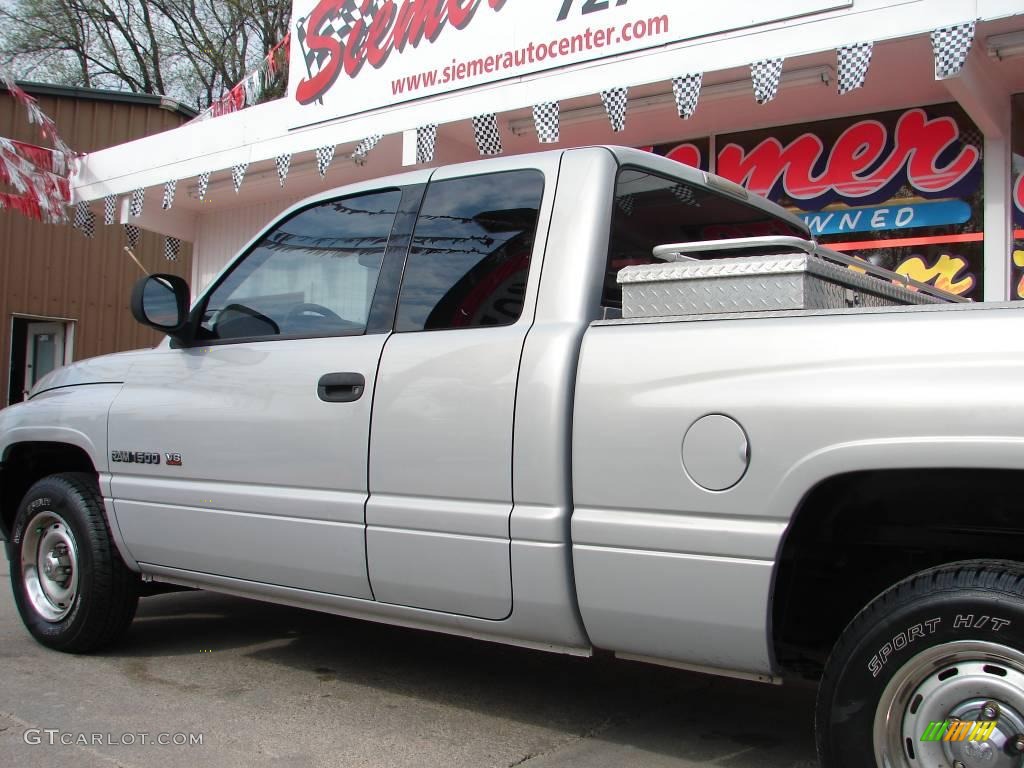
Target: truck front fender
{"points": [[74, 416]]}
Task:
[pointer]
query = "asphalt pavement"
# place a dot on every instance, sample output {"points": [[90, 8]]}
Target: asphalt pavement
{"points": [[264, 685]]}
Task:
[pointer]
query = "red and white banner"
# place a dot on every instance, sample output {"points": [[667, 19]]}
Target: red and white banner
{"points": [[38, 174], [349, 56]]}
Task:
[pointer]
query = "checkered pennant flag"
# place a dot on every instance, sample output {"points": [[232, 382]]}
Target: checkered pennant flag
{"points": [[687, 92], [85, 219], [615, 101], [685, 195], [364, 147], [853, 62], [133, 233], [172, 248], [626, 203], [204, 183], [336, 25], [766, 75], [545, 120], [487, 135], [951, 46], [284, 162], [426, 141], [324, 156], [135, 209], [169, 189], [970, 135], [237, 174], [109, 208]]}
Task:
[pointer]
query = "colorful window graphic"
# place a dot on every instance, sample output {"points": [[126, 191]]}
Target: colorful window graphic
{"points": [[900, 189], [1017, 192]]}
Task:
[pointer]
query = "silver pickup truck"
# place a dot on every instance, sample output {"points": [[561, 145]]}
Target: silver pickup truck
{"points": [[423, 400]]}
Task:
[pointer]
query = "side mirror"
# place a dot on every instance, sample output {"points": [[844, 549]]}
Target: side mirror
{"points": [[161, 302]]}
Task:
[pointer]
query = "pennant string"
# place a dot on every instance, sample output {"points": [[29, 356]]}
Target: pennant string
{"points": [[252, 87]]}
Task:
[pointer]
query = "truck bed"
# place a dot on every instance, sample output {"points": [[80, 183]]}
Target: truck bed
{"points": [[782, 400]]}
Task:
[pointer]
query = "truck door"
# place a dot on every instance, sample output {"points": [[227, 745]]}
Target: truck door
{"points": [[441, 446], [254, 441]]}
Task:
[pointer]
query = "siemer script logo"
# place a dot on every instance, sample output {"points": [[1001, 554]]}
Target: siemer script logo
{"points": [[373, 39]]}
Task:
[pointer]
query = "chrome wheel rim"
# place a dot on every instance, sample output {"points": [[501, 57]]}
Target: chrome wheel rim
{"points": [[958, 686], [49, 566]]}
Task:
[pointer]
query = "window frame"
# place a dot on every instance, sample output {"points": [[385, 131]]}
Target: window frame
{"points": [[624, 167], [541, 203], [199, 308]]}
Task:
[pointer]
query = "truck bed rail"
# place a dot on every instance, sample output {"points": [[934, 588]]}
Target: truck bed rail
{"points": [[679, 251]]}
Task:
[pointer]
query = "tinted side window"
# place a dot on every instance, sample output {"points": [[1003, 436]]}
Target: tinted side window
{"points": [[654, 210], [470, 254], [312, 275]]}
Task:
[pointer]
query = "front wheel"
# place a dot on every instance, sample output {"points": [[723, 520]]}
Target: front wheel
{"points": [[930, 673], [72, 588]]}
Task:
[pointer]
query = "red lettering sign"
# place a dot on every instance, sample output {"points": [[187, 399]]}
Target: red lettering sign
{"points": [[391, 29], [1018, 193], [687, 154], [920, 147]]}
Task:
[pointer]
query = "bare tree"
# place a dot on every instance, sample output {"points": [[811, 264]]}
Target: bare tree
{"points": [[192, 50], [222, 39]]}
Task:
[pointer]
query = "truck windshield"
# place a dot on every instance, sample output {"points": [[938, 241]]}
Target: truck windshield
{"points": [[654, 210]]}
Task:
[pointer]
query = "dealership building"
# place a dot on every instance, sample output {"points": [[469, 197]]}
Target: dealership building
{"points": [[894, 128]]}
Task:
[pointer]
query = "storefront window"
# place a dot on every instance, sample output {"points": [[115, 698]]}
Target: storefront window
{"points": [[901, 189], [1017, 181]]}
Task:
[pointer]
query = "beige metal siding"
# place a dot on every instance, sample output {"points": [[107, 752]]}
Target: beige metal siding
{"points": [[53, 270]]}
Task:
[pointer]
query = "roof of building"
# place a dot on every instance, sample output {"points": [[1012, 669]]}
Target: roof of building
{"points": [[105, 94]]}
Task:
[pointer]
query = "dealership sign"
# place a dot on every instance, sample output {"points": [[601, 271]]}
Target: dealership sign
{"points": [[901, 187], [350, 56], [886, 217], [868, 160]]}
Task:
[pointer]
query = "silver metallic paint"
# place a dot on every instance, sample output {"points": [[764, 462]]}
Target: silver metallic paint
{"points": [[246, 418], [319, 555], [818, 396], [540, 619], [441, 449], [74, 415]]}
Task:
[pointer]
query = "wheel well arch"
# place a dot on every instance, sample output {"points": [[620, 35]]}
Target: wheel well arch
{"points": [[25, 463], [856, 534]]}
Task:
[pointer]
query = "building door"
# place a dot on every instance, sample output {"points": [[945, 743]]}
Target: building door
{"points": [[38, 346]]}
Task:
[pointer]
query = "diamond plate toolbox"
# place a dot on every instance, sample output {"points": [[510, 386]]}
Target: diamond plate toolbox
{"points": [[754, 283]]}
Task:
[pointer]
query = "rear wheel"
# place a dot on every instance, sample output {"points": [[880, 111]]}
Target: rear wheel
{"points": [[930, 673], [72, 588]]}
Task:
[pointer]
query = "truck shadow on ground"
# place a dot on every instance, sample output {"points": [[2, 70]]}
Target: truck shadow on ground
{"points": [[635, 706]]}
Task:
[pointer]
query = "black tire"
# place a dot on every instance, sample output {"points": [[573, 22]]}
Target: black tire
{"points": [[909, 658], [90, 597]]}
